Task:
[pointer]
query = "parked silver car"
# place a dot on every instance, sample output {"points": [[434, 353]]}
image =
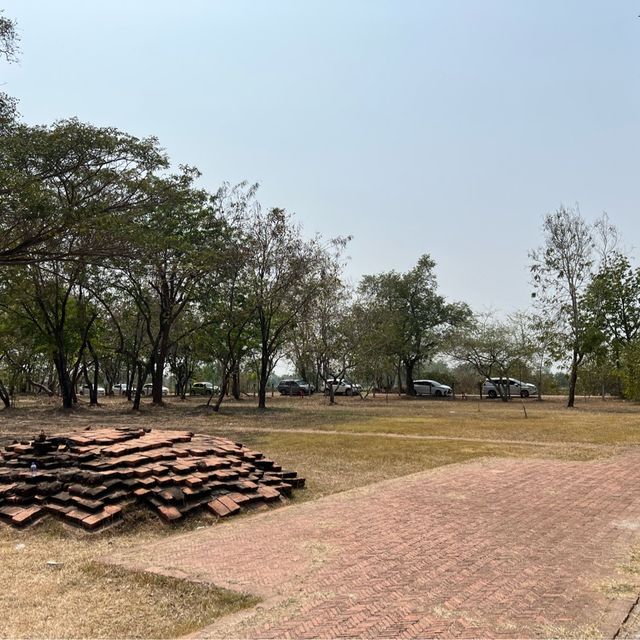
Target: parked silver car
{"points": [[512, 387], [431, 388], [203, 389]]}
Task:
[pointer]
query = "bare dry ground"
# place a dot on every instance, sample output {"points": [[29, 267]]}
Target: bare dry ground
{"points": [[53, 587]]}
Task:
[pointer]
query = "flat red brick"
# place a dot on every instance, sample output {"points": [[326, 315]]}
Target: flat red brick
{"points": [[228, 502], [76, 516], [225, 475], [218, 508], [268, 493], [25, 516], [170, 514], [142, 472], [246, 485], [239, 498], [92, 506], [58, 509], [193, 482], [97, 520]]}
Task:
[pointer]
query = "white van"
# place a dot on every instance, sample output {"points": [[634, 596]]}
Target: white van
{"points": [[511, 386]]}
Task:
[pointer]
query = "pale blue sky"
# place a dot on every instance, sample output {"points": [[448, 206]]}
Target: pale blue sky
{"points": [[445, 127]]}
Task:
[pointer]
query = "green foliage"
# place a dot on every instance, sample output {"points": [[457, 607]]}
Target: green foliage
{"points": [[69, 189], [410, 320], [630, 369]]}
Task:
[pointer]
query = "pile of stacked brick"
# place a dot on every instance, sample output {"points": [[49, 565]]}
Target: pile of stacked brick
{"points": [[88, 478]]}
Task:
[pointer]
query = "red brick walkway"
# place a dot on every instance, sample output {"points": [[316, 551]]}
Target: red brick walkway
{"points": [[501, 548]]}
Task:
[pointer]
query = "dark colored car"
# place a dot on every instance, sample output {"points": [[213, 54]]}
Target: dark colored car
{"points": [[295, 388]]}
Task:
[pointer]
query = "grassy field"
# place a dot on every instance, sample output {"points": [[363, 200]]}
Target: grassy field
{"points": [[53, 586]]}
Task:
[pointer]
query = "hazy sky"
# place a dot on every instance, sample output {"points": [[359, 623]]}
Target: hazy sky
{"points": [[445, 127]]}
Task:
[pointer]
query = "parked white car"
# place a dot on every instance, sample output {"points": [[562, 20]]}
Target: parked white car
{"points": [[146, 390], [120, 389], [512, 387], [84, 390], [341, 387], [431, 388]]}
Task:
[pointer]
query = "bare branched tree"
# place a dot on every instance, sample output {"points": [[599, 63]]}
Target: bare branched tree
{"points": [[561, 271]]}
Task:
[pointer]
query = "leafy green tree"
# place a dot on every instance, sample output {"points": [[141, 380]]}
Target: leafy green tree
{"points": [[69, 194], [51, 301], [323, 346], [613, 304], [490, 347], [68, 190], [227, 300], [287, 273], [179, 242], [630, 365], [415, 317]]}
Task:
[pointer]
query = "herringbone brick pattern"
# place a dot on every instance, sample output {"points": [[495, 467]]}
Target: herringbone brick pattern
{"points": [[500, 548]]}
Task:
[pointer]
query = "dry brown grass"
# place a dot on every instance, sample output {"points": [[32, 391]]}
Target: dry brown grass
{"points": [[335, 447], [76, 598]]}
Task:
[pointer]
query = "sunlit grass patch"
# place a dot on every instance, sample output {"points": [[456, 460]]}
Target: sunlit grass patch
{"points": [[337, 462]]}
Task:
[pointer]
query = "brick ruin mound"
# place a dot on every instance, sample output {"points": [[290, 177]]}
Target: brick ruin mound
{"points": [[88, 478]]}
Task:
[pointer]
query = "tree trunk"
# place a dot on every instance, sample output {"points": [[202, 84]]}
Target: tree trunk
{"points": [[93, 392], [131, 376], [4, 395], [408, 366], [93, 389], [264, 379], [142, 376], [235, 383], [223, 392], [66, 387], [41, 387], [573, 379], [157, 375], [332, 393], [504, 390]]}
